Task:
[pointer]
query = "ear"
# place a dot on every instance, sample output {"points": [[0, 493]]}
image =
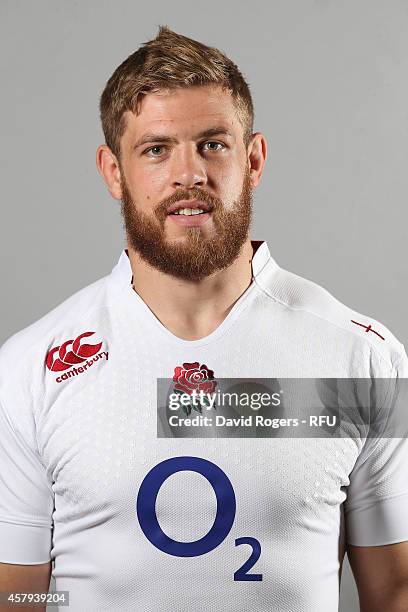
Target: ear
{"points": [[257, 153], [108, 167]]}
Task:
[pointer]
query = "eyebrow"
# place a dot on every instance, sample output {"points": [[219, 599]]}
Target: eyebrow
{"points": [[152, 137]]}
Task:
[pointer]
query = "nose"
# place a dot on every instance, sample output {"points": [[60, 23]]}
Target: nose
{"points": [[188, 169]]}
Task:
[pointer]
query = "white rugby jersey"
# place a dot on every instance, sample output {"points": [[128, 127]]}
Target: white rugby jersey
{"points": [[78, 436]]}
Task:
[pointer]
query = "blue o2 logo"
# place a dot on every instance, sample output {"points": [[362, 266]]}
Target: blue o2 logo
{"points": [[224, 519], [146, 502]]}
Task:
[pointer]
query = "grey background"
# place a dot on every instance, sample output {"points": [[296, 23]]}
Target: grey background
{"points": [[329, 82]]}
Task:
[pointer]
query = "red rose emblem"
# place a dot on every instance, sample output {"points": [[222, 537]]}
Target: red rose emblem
{"points": [[192, 376]]}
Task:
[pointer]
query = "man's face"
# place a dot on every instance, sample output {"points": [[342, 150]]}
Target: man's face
{"points": [[160, 173]]}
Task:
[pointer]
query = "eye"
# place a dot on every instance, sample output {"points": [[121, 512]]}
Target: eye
{"points": [[152, 148], [212, 142]]}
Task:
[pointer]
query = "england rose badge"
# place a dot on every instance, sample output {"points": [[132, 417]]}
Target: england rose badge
{"points": [[196, 381]]}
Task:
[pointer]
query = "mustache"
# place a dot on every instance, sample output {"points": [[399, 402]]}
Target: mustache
{"points": [[193, 194]]}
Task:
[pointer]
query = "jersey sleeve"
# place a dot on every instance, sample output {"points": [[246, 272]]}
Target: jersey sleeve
{"points": [[26, 496], [376, 508]]}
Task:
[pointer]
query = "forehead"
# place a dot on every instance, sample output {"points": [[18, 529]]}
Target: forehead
{"points": [[183, 111]]}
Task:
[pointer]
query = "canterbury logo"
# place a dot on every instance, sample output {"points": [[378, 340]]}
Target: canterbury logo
{"points": [[71, 352]]}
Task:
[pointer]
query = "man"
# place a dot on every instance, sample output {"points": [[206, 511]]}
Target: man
{"points": [[136, 521]]}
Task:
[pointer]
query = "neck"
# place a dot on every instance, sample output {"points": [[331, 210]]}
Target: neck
{"points": [[192, 309]]}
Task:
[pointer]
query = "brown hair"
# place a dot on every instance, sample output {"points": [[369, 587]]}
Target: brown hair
{"points": [[169, 61]]}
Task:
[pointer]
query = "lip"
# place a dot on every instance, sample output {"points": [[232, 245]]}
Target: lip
{"points": [[189, 204], [191, 220]]}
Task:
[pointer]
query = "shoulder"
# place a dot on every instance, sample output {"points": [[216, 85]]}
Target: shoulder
{"points": [[72, 313], [301, 297]]}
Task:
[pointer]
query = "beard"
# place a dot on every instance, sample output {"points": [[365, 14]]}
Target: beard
{"points": [[197, 255]]}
